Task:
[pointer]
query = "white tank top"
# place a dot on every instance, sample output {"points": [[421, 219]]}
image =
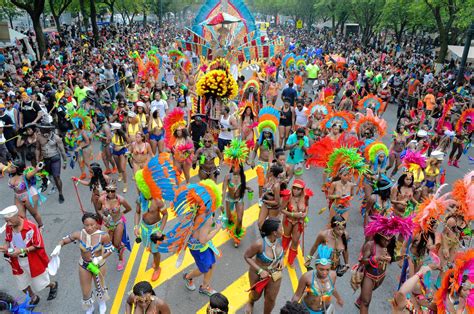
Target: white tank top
{"points": [[301, 117], [224, 134]]}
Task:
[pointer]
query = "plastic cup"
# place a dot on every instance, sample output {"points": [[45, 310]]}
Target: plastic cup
{"points": [[250, 195]]}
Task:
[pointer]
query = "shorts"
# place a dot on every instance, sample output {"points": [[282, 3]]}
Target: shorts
{"points": [[221, 144], [53, 165], [204, 260], [121, 152], [24, 280], [430, 184], [146, 231], [154, 137]]}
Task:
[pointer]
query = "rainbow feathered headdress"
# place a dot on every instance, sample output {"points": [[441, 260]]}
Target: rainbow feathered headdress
{"points": [[289, 61], [173, 121], [468, 113], [268, 121], [324, 108], [463, 194], [194, 205], [413, 161], [431, 209], [344, 158], [452, 281], [82, 115], [379, 124], [236, 153], [390, 226], [342, 118], [158, 180], [319, 151], [373, 151], [371, 101], [252, 83]]}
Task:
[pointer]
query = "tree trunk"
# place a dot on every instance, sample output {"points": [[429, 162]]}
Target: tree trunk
{"points": [[85, 18], [144, 17], [111, 20], [40, 40], [95, 29], [333, 21], [58, 25], [10, 18], [443, 47]]}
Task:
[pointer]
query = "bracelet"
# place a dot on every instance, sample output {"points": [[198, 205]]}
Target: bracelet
{"points": [[259, 271]]}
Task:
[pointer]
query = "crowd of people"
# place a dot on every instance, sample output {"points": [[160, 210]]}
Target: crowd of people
{"points": [[319, 103]]}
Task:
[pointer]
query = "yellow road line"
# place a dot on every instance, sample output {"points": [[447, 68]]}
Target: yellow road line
{"points": [[235, 293], [123, 282], [293, 277], [300, 259], [250, 174], [250, 216]]}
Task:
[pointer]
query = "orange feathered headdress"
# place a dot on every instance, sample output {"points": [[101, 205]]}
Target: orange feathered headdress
{"points": [[463, 193], [173, 121], [371, 101], [379, 124], [343, 118], [324, 108]]}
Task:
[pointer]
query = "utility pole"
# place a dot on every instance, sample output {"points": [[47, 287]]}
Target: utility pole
{"points": [[465, 52]]}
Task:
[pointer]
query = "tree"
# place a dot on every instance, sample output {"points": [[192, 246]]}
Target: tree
{"points": [[8, 11], [128, 9], [397, 15], [34, 8], [111, 5], [95, 29], [57, 8], [336, 10], [85, 16], [444, 13], [367, 13]]}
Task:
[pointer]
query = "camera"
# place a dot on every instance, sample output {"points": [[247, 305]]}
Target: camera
{"points": [[155, 238], [40, 165]]}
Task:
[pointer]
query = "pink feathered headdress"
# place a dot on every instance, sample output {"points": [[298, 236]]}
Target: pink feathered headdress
{"points": [[390, 226], [412, 157]]}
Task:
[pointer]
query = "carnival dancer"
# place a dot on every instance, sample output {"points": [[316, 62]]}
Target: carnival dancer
{"points": [[114, 219], [377, 253], [195, 206], [414, 162], [316, 287], [272, 196], [206, 156], [156, 182], [22, 181], [104, 134], [456, 294], [177, 140], [294, 220], [133, 126], [399, 140], [141, 152], [143, 299], [234, 188], [402, 195], [379, 202], [336, 238], [119, 151], [297, 144], [247, 124], [316, 113], [265, 258], [433, 174], [95, 246], [156, 131], [97, 184], [268, 122], [24, 251], [464, 131]]}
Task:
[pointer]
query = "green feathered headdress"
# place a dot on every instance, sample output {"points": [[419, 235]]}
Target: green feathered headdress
{"points": [[346, 158], [374, 149], [236, 153]]}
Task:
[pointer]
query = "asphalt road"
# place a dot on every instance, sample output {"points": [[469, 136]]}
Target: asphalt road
{"points": [[230, 275]]}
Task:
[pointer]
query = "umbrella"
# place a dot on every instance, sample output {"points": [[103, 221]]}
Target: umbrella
{"points": [[222, 18]]}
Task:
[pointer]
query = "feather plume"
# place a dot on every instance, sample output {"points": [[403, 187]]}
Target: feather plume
{"points": [[347, 158], [390, 226], [173, 120], [469, 113], [236, 153], [370, 119], [342, 117], [413, 157]]}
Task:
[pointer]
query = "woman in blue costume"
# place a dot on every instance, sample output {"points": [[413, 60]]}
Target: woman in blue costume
{"points": [[317, 286]]}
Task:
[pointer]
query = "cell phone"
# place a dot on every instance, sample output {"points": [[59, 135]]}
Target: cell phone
{"points": [[40, 164]]}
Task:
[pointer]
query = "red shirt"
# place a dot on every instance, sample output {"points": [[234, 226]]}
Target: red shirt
{"points": [[38, 259]]}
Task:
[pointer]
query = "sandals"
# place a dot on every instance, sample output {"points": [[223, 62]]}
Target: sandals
{"points": [[53, 292], [34, 302]]}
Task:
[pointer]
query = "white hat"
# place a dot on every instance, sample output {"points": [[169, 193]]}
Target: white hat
{"points": [[132, 114], [421, 133], [140, 104], [437, 154], [115, 126], [413, 142], [53, 265], [9, 212]]}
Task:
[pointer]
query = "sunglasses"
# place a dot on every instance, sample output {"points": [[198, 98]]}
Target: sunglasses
{"points": [[145, 299], [207, 141], [110, 191]]}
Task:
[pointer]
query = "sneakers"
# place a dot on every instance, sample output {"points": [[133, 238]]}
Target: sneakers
{"points": [[207, 291], [120, 265], [156, 274], [119, 177], [450, 162], [52, 191], [125, 188], [114, 170], [456, 163], [189, 283], [61, 199]]}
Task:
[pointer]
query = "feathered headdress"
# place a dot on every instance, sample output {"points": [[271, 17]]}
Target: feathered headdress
{"points": [[252, 83], [300, 62], [390, 226], [80, 115], [324, 255], [454, 279], [158, 180], [268, 121], [176, 55], [413, 161], [371, 101], [430, 210], [343, 118], [325, 109], [320, 150], [218, 83], [466, 114], [194, 205], [173, 121], [463, 194], [236, 153], [246, 104], [372, 153], [289, 61], [379, 124], [345, 159]]}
